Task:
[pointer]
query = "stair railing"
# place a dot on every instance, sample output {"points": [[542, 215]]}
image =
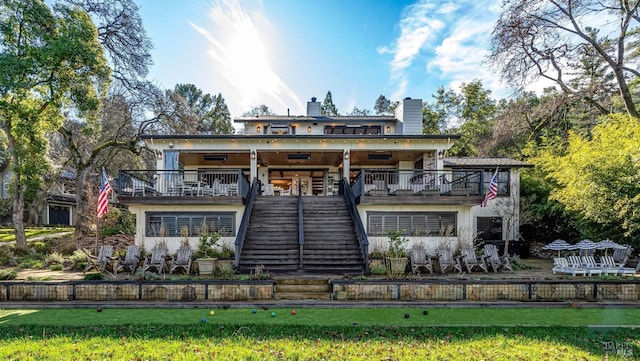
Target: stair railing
{"points": [[246, 216], [357, 221], [300, 225]]}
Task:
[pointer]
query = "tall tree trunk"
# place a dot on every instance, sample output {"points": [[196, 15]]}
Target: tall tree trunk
{"points": [[18, 192], [85, 214]]}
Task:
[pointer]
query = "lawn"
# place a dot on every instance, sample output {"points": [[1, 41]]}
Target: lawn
{"points": [[9, 235], [320, 334]]}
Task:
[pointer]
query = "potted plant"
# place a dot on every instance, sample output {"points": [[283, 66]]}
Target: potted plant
{"points": [[396, 260], [207, 250]]}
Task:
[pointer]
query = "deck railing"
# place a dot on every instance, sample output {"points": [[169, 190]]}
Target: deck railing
{"points": [[361, 233], [370, 182], [181, 183], [246, 218]]}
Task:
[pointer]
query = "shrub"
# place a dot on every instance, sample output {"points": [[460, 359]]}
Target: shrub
{"points": [[78, 260], [207, 248], [56, 267], [93, 276], [10, 275], [397, 243], [378, 270], [54, 258], [40, 247]]}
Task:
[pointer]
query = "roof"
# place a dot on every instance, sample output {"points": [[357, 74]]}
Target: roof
{"points": [[473, 162], [296, 136], [320, 119]]}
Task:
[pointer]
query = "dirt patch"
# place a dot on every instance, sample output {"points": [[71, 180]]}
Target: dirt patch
{"points": [[43, 274]]}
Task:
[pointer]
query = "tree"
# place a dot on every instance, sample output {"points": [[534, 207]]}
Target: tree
{"points": [[360, 112], [196, 112], [328, 109], [258, 111], [598, 176], [549, 39], [49, 61], [88, 144], [384, 106]]}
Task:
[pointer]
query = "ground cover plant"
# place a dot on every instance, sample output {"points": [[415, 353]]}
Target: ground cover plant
{"points": [[320, 334], [9, 234]]}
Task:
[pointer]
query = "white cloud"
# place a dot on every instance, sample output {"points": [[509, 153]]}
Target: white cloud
{"points": [[240, 63], [448, 41]]}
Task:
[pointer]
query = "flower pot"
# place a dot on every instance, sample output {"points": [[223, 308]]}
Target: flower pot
{"points": [[396, 266], [206, 265]]}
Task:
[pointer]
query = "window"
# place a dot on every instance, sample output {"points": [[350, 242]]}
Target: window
{"points": [[503, 181], [343, 129], [169, 224], [415, 223]]}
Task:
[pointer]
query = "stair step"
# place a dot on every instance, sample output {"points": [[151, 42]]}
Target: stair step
{"points": [[302, 295], [303, 288]]}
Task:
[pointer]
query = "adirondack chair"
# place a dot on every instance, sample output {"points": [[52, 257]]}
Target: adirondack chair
{"points": [[621, 256], [609, 262], [470, 260], [101, 261], [156, 261], [419, 259], [578, 262], [446, 260], [561, 265], [182, 259], [491, 256], [131, 260]]}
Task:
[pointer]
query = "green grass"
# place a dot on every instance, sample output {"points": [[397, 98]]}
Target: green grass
{"points": [[9, 235], [318, 334], [478, 317]]}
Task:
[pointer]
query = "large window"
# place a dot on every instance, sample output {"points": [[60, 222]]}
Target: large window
{"points": [[503, 181], [171, 224], [432, 224], [353, 129]]}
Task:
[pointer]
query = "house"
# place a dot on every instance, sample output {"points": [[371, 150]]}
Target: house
{"points": [[317, 193]]}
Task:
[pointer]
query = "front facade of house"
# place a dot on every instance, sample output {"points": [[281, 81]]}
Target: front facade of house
{"points": [[398, 178]]}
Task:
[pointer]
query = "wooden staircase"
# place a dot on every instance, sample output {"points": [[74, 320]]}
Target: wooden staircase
{"points": [[302, 289], [331, 245], [272, 236]]}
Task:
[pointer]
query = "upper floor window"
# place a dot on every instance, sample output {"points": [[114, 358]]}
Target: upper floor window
{"points": [[503, 181], [359, 129]]}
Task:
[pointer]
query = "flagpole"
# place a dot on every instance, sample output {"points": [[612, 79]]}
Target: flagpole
{"points": [[97, 235]]}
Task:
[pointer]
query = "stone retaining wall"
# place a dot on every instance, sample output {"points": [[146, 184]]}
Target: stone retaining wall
{"points": [[137, 291], [540, 291], [342, 290]]}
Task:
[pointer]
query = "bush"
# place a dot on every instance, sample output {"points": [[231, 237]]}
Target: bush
{"points": [[78, 260], [56, 267], [40, 247], [10, 275], [93, 276], [54, 258]]}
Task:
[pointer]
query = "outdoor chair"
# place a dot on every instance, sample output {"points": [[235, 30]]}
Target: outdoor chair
{"points": [[561, 265], [576, 261], [131, 260], [156, 261], [101, 261], [446, 260], [470, 260], [621, 255], [497, 263], [610, 263], [182, 259], [420, 259]]}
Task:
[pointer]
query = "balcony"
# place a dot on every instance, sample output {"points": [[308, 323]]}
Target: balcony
{"points": [[418, 186], [188, 186]]}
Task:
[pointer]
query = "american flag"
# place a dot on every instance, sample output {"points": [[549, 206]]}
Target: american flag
{"points": [[103, 197], [492, 192]]}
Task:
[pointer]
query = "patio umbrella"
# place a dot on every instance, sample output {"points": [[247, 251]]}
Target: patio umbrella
{"points": [[586, 247], [608, 244], [558, 245]]}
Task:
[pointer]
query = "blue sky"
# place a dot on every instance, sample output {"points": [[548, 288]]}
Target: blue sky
{"points": [[283, 52]]}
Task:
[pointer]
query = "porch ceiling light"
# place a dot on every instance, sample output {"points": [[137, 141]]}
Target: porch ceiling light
{"points": [[258, 129]]}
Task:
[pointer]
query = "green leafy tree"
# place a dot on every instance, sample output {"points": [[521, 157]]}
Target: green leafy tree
{"points": [[327, 108], [384, 106], [598, 177], [49, 61], [196, 112]]}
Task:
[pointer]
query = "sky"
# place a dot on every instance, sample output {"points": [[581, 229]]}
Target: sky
{"points": [[283, 52]]}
